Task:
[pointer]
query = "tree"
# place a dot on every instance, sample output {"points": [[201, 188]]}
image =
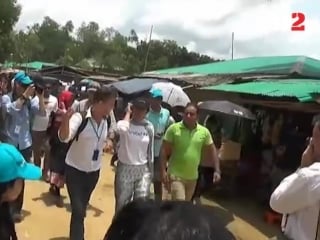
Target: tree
{"points": [[93, 47], [91, 38], [54, 39], [9, 15]]}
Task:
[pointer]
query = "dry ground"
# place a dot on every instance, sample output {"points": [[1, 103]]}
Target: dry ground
{"points": [[44, 221]]}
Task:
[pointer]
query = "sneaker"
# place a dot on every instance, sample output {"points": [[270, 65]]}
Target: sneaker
{"points": [[196, 201], [59, 202]]}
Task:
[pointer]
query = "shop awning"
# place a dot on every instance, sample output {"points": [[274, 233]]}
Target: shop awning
{"points": [[283, 65], [302, 89]]}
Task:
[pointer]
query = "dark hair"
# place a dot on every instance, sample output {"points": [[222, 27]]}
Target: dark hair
{"points": [[104, 93], [140, 103], [36, 77], [37, 80], [167, 220], [7, 227], [194, 105], [5, 77]]}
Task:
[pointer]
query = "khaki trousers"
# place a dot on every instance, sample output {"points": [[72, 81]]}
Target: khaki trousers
{"points": [[182, 189]]}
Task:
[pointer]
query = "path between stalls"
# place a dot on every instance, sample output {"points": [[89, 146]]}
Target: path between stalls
{"points": [[44, 221]]}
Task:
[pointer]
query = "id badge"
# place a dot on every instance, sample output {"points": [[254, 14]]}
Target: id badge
{"points": [[95, 155], [17, 129]]}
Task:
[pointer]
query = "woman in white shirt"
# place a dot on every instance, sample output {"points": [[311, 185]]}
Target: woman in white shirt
{"points": [[135, 165]]}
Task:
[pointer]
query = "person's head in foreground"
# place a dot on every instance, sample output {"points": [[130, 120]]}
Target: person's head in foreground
{"points": [[145, 219], [103, 101], [13, 170], [139, 108], [155, 99], [190, 115]]}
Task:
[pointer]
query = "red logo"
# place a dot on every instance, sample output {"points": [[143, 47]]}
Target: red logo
{"points": [[298, 24]]}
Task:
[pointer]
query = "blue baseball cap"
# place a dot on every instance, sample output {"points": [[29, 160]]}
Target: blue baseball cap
{"points": [[14, 166], [156, 93], [22, 78]]}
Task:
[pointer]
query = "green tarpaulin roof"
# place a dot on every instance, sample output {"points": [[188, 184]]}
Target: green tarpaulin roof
{"points": [[301, 89], [8, 64], [34, 65], [274, 65], [37, 65]]}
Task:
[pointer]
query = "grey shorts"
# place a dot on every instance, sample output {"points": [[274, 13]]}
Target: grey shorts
{"points": [[157, 170]]}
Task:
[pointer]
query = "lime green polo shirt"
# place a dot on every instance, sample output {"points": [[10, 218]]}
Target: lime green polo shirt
{"points": [[187, 148]]}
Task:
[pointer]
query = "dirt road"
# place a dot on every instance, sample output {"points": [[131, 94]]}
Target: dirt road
{"points": [[44, 221]]}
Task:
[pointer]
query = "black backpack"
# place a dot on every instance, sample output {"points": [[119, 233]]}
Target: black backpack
{"points": [[82, 126], [59, 150]]}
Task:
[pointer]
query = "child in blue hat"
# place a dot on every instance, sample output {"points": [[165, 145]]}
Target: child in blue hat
{"points": [[13, 170]]}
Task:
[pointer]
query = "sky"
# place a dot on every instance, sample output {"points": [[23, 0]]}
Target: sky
{"points": [[261, 27]]}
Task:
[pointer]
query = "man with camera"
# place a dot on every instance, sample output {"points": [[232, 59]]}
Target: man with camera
{"points": [[40, 125], [18, 109], [298, 195]]}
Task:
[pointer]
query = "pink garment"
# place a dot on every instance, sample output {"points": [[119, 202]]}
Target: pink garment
{"points": [[65, 101], [57, 179]]}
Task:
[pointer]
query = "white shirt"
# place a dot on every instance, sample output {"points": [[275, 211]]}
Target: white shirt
{"points": [[81, 152], [133, 143], [298, 196], [41, 123]]}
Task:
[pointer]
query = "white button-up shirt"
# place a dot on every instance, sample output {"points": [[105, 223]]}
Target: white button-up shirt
{"points": [[80, 154], [298, 198]]}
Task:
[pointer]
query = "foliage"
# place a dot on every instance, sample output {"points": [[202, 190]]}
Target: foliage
{"points": [[9, 15], [90, 46]]}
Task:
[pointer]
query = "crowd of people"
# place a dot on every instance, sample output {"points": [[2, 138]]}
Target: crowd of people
{"points": [[61, 139]]}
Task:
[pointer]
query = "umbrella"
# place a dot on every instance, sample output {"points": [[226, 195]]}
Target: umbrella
{"points": [[227, 108], [172, 94], [134, 85]]}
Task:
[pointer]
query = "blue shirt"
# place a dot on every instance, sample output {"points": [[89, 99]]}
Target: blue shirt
{"points": [[17, 122], [160, 121]]}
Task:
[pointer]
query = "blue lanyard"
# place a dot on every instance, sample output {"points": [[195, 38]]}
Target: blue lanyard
{"points": [[96, 131]]}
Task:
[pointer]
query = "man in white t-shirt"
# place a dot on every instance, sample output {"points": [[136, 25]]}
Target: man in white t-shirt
{"points": [[39, 130]]}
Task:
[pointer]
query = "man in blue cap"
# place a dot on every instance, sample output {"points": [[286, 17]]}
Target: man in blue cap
{"points": [[18, 110], [13, 170], [161, 120], [13, 166]]}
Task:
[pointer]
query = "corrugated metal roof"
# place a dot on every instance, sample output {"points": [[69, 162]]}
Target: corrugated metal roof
{"points": [[301, 89], [275, 65]]}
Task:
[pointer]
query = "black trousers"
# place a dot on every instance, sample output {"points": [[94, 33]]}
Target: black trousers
{"points": [[80, 186], [204, 182], [16, 206]]}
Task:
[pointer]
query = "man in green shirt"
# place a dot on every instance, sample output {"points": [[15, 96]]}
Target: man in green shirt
{"points": [[184, 144]]}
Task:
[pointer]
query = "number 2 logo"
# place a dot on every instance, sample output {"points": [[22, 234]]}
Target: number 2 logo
{"points": [[298, 24]]}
